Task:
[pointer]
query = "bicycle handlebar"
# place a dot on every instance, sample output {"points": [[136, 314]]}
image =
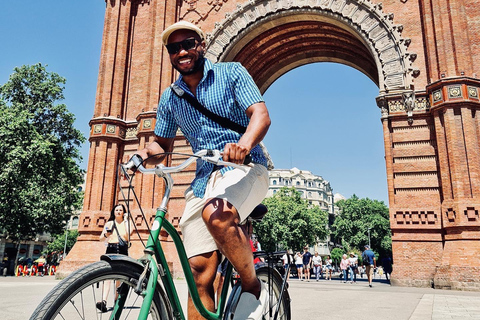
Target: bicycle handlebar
{"points": [[212, 156]]}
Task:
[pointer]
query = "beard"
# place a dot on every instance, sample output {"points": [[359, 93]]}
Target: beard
{"points": [[198, 65]]}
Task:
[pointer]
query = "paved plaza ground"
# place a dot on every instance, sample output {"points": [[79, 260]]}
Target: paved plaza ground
{"points": [[310, 300]]}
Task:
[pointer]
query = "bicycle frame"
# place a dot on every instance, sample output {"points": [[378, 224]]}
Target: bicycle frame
{"points": [[156, 263]]}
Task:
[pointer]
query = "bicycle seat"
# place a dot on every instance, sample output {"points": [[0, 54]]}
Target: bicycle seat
{"points": [[258, 212]]}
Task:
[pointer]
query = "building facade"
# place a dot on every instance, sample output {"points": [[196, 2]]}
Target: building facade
{"points": [[313, 188], [316, 190]]}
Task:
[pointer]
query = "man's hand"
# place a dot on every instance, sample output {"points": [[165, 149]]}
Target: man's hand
{"points": [[234, 152]]}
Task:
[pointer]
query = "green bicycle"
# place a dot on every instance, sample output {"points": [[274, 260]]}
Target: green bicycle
{"points": [[145, 288]]}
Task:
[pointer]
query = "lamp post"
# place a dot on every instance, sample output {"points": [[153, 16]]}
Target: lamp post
{"points": [[369, 238], [66, 237]]}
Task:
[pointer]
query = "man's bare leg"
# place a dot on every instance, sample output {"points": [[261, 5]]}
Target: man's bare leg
{"points": [[222, 221], [204, 269]]}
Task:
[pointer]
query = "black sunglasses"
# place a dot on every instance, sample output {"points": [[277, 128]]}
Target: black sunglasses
{"points": [[186, 44]]}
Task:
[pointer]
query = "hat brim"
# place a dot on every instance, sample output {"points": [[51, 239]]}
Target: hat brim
{"points": [[181, 25]]}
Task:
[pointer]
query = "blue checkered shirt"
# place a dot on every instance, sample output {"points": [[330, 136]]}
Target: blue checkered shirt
{"points": [[226, 89]]}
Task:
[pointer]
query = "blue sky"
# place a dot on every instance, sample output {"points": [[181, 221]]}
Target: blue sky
{"points": [[324, 116]]}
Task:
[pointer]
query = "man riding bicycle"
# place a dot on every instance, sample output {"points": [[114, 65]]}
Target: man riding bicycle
{"points": [[219, 199]]}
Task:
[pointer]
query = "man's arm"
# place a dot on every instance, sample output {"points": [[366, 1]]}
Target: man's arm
{"points": [[159, 145], [256, 131]]}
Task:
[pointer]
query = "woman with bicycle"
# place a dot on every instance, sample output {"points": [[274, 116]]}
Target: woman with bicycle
{"points": [[116, 233]]}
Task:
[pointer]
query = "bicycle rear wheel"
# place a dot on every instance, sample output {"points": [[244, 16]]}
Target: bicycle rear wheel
{"points": [[77, 295]]}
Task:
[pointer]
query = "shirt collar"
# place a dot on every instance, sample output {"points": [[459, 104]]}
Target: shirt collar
{"points": [[207, 69]]}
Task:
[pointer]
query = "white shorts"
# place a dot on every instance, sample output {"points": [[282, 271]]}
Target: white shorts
{"points": [[243, 190]]}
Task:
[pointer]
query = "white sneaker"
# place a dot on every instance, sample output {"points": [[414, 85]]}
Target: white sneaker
{"points": [[249, 308]]}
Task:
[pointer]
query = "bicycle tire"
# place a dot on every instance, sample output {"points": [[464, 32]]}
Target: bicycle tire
{"points": [[76, 296], [264, 273]]}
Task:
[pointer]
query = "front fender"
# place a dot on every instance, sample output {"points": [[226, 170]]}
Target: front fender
{"points": [[120, 257]]}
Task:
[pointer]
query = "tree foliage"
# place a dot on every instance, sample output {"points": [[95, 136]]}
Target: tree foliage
{"points": [[336, 255], [356, 217], [291, 222], [58, 244], [39, 154]]}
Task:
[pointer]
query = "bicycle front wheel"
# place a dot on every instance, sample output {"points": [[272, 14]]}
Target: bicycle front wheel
{"points": [[81, 295], [278, 303]]}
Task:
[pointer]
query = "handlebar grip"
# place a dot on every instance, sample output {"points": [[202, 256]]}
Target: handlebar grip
{"points": [[248, 159], [137, 160], [134, 162]]}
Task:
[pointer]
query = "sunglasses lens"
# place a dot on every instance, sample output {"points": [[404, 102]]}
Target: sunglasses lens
{"points": [[173, 48], [186, 44]]}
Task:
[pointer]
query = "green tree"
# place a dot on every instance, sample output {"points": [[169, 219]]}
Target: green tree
{"points": [[39, 154], [58, 244], [291, 222], [356, 217], [336, 255]]}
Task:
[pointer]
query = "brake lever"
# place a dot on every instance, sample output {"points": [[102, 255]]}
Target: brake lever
{"points": [[214, 156], [125, 171], [133, 164]]}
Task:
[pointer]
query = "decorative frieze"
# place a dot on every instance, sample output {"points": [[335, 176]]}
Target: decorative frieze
{"points": [[472, 92], [454, 91], [113, 128], [131, 133], [471, 214], [437, 96], [408, 104], [415, 217], [97, 129]]}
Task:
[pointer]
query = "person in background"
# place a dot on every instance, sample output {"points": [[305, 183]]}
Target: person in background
{"points": [[287, 259], [387, 266], [370, 263], [5, 265], [353, 267], [40, 265], [307, 261], [328, 268], [317, 265], [116, 233], [345, 267], [299, 265]]}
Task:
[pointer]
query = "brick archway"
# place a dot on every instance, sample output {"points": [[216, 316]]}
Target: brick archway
{"points": [[271, 38], [424, 59]]}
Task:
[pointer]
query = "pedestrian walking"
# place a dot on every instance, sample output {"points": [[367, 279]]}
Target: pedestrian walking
{"points": [[370, 263]]}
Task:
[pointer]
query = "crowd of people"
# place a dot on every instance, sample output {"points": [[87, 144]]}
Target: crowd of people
{"points": [[307, 266], [44, 264]]}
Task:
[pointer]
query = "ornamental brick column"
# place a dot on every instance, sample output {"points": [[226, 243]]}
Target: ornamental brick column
{"points": [[414, 190], [455, 106], [134, 70]]}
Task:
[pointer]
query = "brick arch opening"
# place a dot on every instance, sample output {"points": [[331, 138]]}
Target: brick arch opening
{"points": [[271, 39], [297, 41]]}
